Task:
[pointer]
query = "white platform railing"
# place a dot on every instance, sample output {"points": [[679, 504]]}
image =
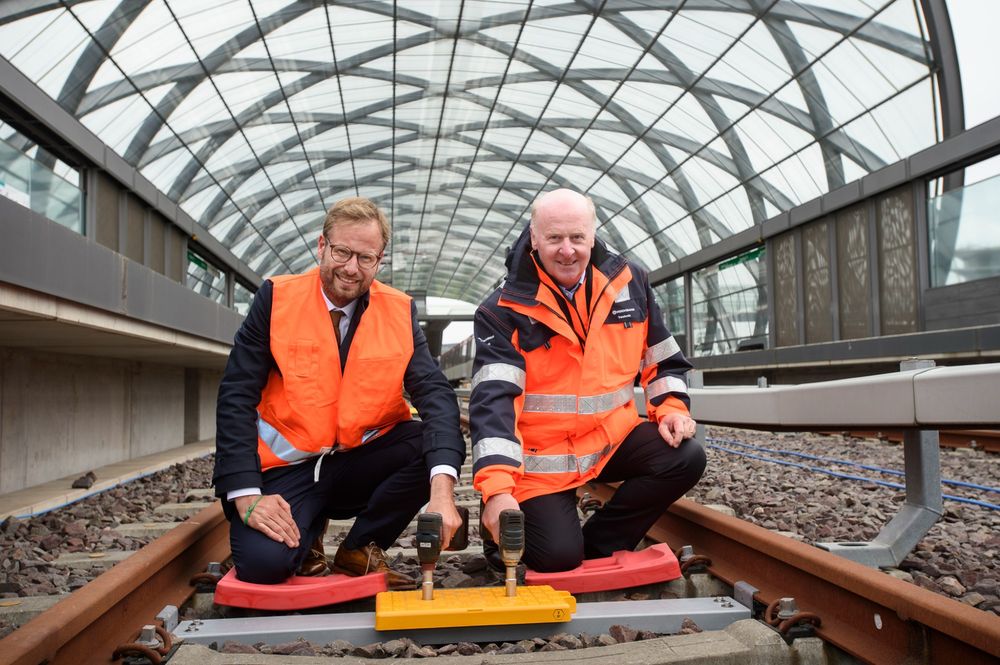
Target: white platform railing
{"points": [[920, 400]]}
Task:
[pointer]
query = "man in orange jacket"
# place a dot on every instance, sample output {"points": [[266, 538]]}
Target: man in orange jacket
{"points": [[311, 420], [558, 347]]}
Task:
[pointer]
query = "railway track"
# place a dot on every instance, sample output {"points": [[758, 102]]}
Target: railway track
{"points": [[868, 614], [96, 620], [983, 439], [865, 613]]}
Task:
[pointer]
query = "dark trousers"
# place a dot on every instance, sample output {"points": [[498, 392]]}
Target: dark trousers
{"points": [[654, 475], [382, 485]]}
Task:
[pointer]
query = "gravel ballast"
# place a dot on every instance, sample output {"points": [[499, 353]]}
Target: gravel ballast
{"points": [[957, 558]]}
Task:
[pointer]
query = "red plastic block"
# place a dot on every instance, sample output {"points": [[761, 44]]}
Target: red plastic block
{"points": [[619, 571], [296, 593]]}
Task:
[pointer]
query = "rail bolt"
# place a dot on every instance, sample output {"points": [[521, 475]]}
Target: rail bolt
{"points": [[148, 637], [787, 608]]}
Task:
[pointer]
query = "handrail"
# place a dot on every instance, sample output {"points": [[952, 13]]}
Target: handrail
{"points": [[919, 399], [931, 398]]}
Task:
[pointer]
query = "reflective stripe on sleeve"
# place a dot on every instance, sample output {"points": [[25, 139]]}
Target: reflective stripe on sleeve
{"points": [[660, 351], [495, 445], [668, 384], [499, 372]]}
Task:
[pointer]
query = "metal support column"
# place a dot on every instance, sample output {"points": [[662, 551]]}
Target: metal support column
{"points": [[924, 501]]}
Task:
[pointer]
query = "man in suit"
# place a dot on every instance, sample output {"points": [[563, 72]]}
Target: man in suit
{"points": [[311, 420]]}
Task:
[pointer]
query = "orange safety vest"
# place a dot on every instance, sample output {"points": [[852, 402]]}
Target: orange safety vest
{"points": [[309, 407], [577, 405]]}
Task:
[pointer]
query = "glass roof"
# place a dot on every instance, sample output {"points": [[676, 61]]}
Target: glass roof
{"points": [[686, 121]]}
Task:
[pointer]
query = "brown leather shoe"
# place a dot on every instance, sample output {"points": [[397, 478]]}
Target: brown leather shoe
{"points": [[314, 564], [369, 559]]}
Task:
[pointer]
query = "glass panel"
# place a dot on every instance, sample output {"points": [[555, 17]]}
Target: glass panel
{"points": [[729, 305], [34, 185], [670, 298], [962, 223], [205, 278], [976, 43], [241, 298]]}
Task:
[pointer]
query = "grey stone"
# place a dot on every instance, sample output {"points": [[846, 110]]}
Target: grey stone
{"points": [[340, 647], [568, 641], [622, 634], [236, 647]]}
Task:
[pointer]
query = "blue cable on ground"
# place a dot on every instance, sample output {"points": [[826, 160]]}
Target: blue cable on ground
{"points": [[830, 460], [846, 476]]}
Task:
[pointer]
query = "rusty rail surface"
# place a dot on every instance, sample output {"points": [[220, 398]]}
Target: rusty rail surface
{"points": [[984, 439], [90, 623], [868, 614]]}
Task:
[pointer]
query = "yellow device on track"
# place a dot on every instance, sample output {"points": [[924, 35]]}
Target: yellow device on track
{"points": [[483, 606]]}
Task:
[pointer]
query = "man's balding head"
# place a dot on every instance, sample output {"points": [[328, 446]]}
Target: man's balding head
{"points": [[563, 225]]}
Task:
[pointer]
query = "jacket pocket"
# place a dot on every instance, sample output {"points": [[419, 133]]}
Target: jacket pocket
{"points": [[303, 355]]}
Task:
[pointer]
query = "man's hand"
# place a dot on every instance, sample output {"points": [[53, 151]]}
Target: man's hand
{"points": [[443, 503], [272, 516], [491, 512], [676, 427]]}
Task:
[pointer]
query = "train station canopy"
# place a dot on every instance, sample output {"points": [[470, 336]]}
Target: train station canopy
{"points": [[686, 121]]}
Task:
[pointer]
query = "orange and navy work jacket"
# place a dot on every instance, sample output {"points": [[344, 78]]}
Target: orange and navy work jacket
{"points": [[553, 379]]}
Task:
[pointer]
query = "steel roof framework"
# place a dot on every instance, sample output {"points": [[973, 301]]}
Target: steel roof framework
{"points": [[686, 121]]}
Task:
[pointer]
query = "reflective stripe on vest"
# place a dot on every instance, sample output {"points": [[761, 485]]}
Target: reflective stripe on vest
{"points": [[660, 351], [563, 463], [668, 384], [282, 447], [584, 405], [499, 372], [495, 445]]}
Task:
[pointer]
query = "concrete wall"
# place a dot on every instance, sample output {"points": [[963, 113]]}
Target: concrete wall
{"points": [[201, 387], [65, 414]]}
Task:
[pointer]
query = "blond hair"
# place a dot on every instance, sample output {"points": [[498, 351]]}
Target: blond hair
{"points": [[356, 210]]}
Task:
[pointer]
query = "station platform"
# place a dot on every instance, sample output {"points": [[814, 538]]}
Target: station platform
{"points": [[60, 492]]}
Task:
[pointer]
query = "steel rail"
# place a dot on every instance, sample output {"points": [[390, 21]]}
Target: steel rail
{"points": [[870, 615], [984, 439], [90, 623]]}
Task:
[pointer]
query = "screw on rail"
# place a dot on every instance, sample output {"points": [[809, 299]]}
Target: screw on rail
{"points": [[783, 615], [691, 562], [511, 546]]}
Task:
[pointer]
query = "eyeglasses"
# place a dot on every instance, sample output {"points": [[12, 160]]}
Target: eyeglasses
{"points": [[343, 254]]}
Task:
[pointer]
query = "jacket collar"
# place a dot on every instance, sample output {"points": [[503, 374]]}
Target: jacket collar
{"points": [[523, 279]]}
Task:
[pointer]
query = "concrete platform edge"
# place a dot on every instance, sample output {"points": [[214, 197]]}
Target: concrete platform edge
{"points": [[57, 493]]}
